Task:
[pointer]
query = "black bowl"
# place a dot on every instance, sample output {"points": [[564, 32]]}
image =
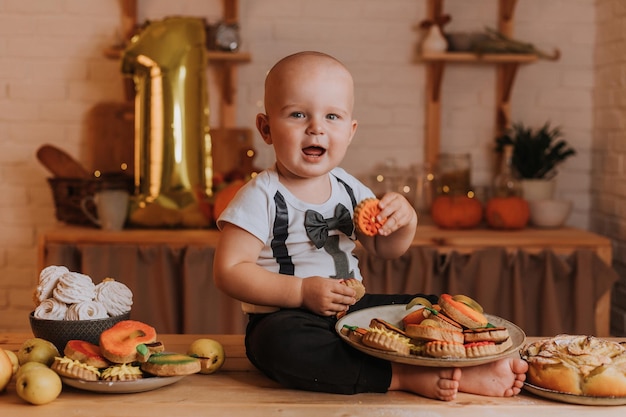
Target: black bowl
{"points": [[59, 332]]}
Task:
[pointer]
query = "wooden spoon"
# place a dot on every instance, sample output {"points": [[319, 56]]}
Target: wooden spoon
{"points": [[61, 164]]}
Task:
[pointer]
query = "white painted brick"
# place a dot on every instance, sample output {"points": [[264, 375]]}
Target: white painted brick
{"points": [[33, 7], [19, 111], [65, 111], [157, 9], [578, 78], [111, 90], [36, 90]]}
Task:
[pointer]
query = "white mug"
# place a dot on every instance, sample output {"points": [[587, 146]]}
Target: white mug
{"points": [[112, 208]]}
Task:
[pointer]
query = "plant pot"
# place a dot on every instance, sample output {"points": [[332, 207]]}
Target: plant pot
{"points": [[538, 189], [549, 213]]}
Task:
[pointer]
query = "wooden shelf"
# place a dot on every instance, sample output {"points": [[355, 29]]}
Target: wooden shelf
{"points": [[212, 56], [506, 70], [470, 57]]}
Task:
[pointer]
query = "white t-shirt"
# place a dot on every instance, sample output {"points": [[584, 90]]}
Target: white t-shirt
{"points": [[267, 210]]}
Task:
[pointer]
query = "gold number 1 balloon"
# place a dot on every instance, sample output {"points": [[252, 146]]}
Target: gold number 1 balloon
{"points": [[167, 61]]}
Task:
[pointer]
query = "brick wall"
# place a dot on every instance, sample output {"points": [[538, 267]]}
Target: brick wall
{"points": [[608, 191], [53, 72]]}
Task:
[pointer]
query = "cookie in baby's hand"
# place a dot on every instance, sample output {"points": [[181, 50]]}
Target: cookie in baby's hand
{"points": [[365, 217], [356, 285]]}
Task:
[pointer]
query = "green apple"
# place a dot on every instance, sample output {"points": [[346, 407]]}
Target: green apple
{"points": [[14, 360], [39, 386], [210, 352], [37, 350], [27, 367], [6, 369]]}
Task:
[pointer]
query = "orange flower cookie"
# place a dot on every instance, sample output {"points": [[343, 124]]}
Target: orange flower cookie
{"points": [[365, 217]]}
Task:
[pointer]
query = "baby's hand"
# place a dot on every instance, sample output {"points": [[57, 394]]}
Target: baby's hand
{"points": [[398, 212], [326, 296]]}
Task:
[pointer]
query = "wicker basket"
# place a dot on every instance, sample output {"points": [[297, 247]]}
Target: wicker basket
{"points": [[69, 192]]}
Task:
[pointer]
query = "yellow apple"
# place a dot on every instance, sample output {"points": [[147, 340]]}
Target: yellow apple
{"points": [[27, 367], [14, 360], [37, 350], [39, 385], [210, 352], [6, 369]]}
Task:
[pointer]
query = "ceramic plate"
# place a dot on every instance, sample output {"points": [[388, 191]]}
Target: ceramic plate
{"points": [[394, 313], [122, 387], [572, 398]]}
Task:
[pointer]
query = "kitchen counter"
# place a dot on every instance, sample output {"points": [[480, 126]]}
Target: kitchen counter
{"points": [[239, 390]]}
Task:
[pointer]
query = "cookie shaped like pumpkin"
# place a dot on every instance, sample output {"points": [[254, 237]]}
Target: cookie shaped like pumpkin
{"points": [[365, 217]]}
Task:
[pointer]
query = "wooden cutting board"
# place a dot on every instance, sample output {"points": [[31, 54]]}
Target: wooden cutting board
{"points": [[110, 137], [60, 163]]}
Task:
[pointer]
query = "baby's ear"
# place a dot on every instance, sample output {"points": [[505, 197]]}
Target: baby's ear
{"points": [[263, 126]]}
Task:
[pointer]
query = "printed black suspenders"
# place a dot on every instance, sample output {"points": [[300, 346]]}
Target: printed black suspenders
{"points": [[320, 226]]}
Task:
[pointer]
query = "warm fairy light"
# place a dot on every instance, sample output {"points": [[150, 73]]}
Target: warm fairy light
{"points": [[380, 178], [406, 189], [97, 173]]}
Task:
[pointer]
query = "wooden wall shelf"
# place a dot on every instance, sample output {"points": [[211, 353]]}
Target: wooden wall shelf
{"points": [[506, 67], [470, 57], [212, 56]]}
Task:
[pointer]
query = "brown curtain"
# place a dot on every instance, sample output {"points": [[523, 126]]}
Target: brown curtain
{"points": [[545, 294]]}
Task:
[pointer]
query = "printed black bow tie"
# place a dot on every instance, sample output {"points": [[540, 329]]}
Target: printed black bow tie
{"points": [[317, 226]]}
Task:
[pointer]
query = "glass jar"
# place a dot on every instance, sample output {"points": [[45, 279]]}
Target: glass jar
{"points": [[507, 183], [453, 173]]}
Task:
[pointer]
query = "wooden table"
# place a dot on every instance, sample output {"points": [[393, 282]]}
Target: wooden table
{"points": [[239, 390]]}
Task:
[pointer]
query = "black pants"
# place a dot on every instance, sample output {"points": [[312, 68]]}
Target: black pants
{"points": [[301, 350]]}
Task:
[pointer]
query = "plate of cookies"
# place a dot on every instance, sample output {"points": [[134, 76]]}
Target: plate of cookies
{"points": [[122, 387], [454, 332], [128, 359]]}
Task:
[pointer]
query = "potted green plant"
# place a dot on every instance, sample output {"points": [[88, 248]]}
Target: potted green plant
{"points": [[536, 155]]}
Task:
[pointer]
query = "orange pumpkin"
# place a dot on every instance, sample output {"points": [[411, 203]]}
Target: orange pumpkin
{"points": [[456, 211], [224, 195], [507, 213]]}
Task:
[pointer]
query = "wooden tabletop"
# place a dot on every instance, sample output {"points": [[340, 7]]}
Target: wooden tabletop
{"points": [[239, 390], [561, 240]]}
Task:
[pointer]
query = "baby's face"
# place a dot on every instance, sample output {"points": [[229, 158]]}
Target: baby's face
{"points": [[309, 121]]}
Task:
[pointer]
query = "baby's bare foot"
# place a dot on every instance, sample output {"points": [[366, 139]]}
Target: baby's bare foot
{"points": [[503, 378], [436, 383]]}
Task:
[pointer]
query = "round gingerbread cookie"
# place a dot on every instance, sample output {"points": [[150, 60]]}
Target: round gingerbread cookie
{"points": [[171, 364]]}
